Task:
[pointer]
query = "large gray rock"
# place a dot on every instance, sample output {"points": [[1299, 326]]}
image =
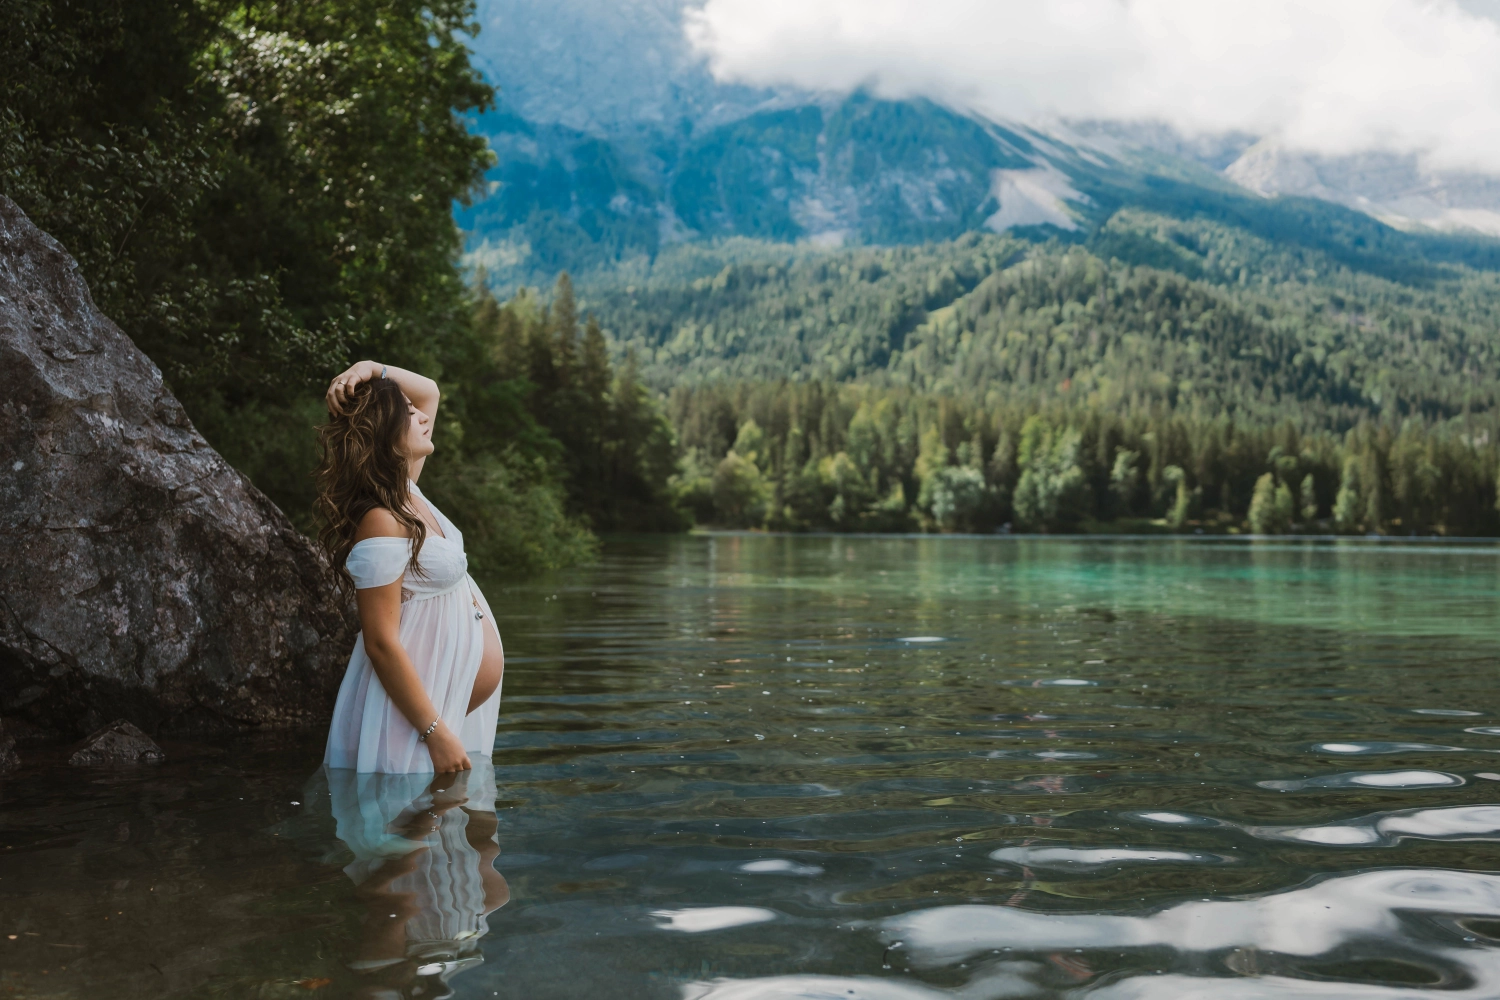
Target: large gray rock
{"points": [[117, 743], [140, 575], [8, 758]]}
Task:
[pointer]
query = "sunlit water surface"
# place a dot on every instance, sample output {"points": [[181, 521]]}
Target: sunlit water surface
{"points": [[746, 768]]}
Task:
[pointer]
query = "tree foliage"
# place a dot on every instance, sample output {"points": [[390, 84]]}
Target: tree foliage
{"points": [[261, 192], [839, 457], [1200, 317], [614, 448], [1154, 374]]}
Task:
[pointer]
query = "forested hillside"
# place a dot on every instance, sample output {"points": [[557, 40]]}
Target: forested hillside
{"points": [[1181, 370], [1189, 312]]}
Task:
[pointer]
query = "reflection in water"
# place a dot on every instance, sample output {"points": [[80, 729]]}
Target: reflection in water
{"points": [[1381, 829], [424, 851], [1081, 859], [1368, 779]]}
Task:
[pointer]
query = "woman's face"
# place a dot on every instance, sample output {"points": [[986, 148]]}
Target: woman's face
{"points": [[418, 433]]}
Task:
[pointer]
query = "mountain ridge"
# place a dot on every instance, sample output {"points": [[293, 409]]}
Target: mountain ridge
{"points": [[614, 141]]}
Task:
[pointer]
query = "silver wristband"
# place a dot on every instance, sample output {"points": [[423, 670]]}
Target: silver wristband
{"points": [[422, 736], [382, 371]]}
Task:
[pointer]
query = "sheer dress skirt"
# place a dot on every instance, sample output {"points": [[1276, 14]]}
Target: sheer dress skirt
{"points": [[444, 637]]}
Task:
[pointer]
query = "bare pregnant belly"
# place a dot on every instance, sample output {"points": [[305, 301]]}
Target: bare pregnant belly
{"points": [[491, 666]]}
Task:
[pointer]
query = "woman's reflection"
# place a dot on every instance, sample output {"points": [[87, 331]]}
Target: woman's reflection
{"points": [[424, 850]]}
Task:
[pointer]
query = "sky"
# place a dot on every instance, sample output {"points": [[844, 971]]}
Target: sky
{"points": [[1326, 76]]}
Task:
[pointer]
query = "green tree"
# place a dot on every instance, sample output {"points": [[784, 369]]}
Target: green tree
{"points": [[1284, 508], [1124, 481], [750, 444], [1207, 470], [513, 513], [1309, 495], [1348, 506], [851, 491], [256, 192], [640, 457], [600, 429], [1052, 491], [1262, 513], [958, 497], [740, 492], [1182, 502]]}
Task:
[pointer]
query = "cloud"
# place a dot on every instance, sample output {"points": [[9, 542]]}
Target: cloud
{"points": [[1327, 76]]}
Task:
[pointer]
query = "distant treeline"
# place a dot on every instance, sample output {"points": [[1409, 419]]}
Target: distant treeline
{"points": [[800, 456]]}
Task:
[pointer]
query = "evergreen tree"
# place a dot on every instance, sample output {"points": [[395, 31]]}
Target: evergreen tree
{"points": [[1124, 481], [1349, 508], [564, 315], [1284, 508], [607, 439], [1309, 495], [1262, 513], [1182, 502], [1062, 468]]}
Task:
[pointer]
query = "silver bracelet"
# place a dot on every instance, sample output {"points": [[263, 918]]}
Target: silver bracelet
{"points": [[382, 371], [422, 736]]}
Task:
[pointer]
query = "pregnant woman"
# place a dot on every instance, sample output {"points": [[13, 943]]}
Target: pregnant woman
{"points": [[422, 690]]}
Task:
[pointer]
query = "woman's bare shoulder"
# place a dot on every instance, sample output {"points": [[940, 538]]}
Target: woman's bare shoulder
{"points": [[380, 523]]}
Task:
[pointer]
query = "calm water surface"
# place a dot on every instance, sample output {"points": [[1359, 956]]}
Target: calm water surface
{"points": [[755, 768]]}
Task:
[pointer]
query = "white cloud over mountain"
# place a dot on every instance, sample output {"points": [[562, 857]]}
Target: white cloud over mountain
{"points": [[1327, 76]]}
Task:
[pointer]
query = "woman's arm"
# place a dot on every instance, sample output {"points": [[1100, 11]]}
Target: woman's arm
{"points": [[421, 390], [380, 619]]}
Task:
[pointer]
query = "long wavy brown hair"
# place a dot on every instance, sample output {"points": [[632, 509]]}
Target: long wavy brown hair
{"points": [[364, 467]]}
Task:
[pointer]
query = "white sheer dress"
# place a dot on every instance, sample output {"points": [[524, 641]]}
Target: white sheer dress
{"points": [[444, 636]]}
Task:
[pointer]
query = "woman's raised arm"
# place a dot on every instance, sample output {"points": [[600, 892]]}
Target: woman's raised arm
{"points": [[421, 390]]}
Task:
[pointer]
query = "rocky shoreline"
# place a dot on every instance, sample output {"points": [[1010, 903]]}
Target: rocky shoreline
{"points": [[141, 577]]}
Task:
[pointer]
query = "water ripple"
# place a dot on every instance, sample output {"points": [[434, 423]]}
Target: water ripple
{"points": [[1367, 779], [765, 768]]}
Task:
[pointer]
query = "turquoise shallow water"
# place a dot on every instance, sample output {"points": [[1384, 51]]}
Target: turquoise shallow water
{"points": [[748, 767]]}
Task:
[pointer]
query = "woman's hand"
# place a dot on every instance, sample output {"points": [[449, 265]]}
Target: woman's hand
{"points": [[421, 390], [344, 383], [447, 750]]}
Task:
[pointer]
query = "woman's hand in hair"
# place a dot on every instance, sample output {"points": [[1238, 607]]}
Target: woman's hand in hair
{"points": [[421, 390], [343, 383]]}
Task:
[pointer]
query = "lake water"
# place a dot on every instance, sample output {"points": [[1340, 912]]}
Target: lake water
{"points": [[757, 768]]}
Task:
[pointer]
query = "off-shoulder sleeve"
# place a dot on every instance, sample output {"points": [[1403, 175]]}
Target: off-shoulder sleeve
{"points": [[376, 562]]}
